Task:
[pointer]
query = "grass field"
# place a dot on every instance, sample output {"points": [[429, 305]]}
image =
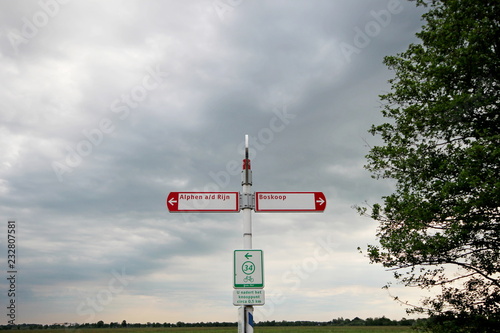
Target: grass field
{"points": [[282, 329]]}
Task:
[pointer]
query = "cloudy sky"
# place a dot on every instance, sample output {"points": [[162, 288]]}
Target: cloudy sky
{"points": [[107, 106]]}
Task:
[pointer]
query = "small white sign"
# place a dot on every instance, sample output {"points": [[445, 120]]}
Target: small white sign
{"points": [[249, 297]]}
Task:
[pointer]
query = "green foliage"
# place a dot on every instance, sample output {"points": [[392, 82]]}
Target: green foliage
{"points": [[441, 226]]}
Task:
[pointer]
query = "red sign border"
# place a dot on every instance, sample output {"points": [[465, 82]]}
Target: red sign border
{"points": [[319, 208], [175, 195]]}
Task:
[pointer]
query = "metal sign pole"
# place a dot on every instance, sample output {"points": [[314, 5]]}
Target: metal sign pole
{"points": [[246, 323]]}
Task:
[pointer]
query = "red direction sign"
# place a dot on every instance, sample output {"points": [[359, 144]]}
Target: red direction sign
{"points": [[191, 202], [290, 202]]}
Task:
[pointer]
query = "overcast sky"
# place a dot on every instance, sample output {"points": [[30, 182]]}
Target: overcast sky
{"points": [[107, 106]]}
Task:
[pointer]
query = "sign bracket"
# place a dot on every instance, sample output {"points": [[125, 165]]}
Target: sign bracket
{"points": [[247, 201]]}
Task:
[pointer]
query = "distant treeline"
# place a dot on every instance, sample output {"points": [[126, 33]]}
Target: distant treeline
{"points": [[378, 321]]}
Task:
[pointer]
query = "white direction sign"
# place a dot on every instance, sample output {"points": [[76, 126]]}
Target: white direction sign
{"points": [[248, 269], [248, 297], [290, 202], [191, 202]]}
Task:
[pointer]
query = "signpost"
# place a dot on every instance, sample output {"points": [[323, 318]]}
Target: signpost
{"points": [[215, 202], [248, 282], [294, 202]]}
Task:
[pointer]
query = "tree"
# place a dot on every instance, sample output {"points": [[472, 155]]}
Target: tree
{"points": [[441, 144]]}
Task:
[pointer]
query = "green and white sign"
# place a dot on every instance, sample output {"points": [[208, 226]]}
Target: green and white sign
{"points": [[248, 269]]}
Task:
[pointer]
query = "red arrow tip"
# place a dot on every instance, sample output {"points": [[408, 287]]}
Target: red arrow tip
{"points": [[172, 201], [320, 201]]}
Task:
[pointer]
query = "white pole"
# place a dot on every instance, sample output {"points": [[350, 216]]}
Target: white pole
{"points": [[246, 182]]}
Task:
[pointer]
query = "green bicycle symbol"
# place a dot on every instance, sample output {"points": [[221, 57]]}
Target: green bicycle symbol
{"points": [[248, 267], [248, 278]]}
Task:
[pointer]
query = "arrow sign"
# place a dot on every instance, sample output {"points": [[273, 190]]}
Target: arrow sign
{"points": [[248, 269], [215, 202], [295, 202]]}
